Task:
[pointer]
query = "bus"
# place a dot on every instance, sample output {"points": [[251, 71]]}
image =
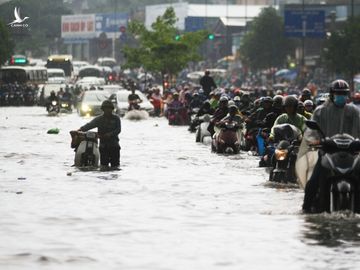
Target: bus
{"points": [[23, 75], [18, 60], [61, 61], [91, 71]]}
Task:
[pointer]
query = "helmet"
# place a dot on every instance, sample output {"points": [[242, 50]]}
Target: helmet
{"points": [[308, 103], [237, 98], [291, 101], [339, 86], [107, 104], [223, 99], [278, 100], [231, 103], [266, 99], [233, 108], [301, 104], [306, 92]]}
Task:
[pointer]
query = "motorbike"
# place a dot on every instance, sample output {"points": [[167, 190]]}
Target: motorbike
{"points": [[53, 108], [202, 130], [135, 112], [86, 148], [286, 146], [226, 138], [177, 116], [29, 98], [194, 119], [18, 98], [339, 187], [4, 98], [65, 106]]}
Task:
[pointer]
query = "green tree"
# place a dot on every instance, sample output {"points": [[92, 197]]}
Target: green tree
{"points": [[264, 45], [6, 44], [161, 49], [342, 49]]}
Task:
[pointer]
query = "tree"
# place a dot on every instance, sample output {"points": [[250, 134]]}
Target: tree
{"points": [[265, 45], [162, 49], [341, 52], [6, 45]]}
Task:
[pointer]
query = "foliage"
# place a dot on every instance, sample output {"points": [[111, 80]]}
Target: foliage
{"points": [[6, 44], [342, 49], [44, 23], [158, 50], [264, 45]]}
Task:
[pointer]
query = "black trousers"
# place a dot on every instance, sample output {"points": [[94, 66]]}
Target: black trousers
{"points": [[312, 185], [110, 154]]}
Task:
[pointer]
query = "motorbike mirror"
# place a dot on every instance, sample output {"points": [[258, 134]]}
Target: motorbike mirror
{"points": [[314, 126]]}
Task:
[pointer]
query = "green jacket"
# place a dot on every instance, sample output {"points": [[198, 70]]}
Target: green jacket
{"points": [[298, 121]]}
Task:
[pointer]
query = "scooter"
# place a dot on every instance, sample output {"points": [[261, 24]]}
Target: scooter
{"points": [[177, 116], [53, 108], [135, 112], [202, 133], [286, 148], [86, 148], [65, 106], [339, 187], [226, 140]]}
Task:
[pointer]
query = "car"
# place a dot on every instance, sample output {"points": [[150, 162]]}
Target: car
{"points": [[90, 104], [120, 99], [112, 88], [88, 82]]}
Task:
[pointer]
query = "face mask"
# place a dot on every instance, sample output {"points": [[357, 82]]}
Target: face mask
{"points": [[340, 100]]}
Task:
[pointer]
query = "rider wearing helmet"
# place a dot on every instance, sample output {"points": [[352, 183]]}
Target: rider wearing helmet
{"points": [[51, 98], [309, 106], [256, 118], [109, 127], [305, 94], [333, 117], [219, 114], [301, 110], [356, 99], [277, 110], [233, 115], [290, 116]]}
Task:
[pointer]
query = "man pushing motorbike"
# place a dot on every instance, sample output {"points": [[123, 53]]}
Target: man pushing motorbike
{"points": [[109, 127]]}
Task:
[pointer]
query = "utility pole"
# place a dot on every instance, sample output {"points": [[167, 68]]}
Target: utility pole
{"points": [[303, 45], [352, 69]]}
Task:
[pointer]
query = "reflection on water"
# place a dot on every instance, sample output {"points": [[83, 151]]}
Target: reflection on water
{"points": [[332, 230]]}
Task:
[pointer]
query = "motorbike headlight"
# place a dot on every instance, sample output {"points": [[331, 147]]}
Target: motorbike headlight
{"points": [[53, 102], [85, 108], [281, 154], [64, 105]]}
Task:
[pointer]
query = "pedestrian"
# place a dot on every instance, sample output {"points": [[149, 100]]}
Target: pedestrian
{"points": [[207, 83]]}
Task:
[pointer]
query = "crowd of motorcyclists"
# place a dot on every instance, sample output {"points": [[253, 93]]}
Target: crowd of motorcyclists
{"points": [[15, 94], [275, 126], [271, 124]]}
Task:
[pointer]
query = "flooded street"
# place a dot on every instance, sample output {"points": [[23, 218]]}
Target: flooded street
{"points": [[174, 205]]}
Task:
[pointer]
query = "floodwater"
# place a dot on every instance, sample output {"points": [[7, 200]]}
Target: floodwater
{"points": [[174, 205]]}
